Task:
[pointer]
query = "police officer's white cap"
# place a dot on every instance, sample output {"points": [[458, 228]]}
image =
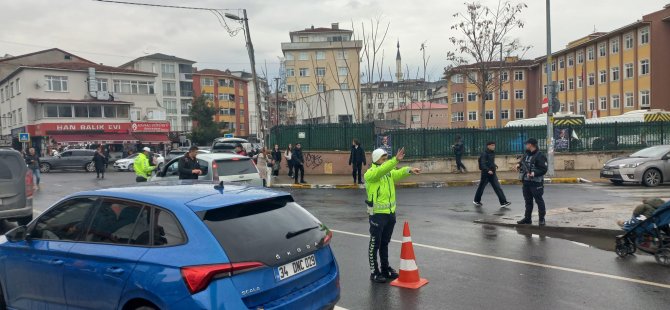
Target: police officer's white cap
{"points": [[377, 154], [146, 149]]}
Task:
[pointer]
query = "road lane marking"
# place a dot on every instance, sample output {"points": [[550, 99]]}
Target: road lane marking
{"points": [[516, 261], [340, 308]]}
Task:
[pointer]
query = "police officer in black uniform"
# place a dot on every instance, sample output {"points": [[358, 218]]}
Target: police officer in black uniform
{"points": [[532, 168]]}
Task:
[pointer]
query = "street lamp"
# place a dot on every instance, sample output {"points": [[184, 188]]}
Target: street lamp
{"points": [[252, 60], [499, 101]]}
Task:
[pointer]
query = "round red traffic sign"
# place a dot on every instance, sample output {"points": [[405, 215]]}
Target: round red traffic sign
{"points": [[545, 105]]}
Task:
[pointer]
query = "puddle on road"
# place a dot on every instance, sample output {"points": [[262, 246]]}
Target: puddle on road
{"points": [[598, 240]]}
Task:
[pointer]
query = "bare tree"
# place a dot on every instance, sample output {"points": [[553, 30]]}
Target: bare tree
{"points": [[482, 29], [373, 39]]}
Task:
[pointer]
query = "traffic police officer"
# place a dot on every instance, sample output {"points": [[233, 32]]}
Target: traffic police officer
{"points": [[532, 168], [380, 186]]}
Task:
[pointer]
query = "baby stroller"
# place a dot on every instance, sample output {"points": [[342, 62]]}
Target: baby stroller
{"points": [[651, 236]]}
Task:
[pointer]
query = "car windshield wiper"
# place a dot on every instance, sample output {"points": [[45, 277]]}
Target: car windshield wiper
{"points": [[292, 234]]}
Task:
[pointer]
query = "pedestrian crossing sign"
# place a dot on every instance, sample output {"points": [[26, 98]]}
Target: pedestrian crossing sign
{"points": [[24, 137]]}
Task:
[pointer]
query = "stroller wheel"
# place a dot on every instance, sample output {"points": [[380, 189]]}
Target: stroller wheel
{"points": [[663, 256], [621, 250]]}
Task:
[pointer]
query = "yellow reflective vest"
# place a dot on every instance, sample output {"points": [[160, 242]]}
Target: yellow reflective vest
{"points": [[380, 185], [142, 166]]}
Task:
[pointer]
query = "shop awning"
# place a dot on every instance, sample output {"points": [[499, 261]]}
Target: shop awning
{"points": [[155, 138], [105, 138]]}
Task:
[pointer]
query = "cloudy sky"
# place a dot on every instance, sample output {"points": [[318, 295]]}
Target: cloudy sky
{"points": [[114, 34]]}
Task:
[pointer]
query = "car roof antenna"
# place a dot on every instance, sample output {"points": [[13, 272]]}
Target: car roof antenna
{"points": [[219, 187]]}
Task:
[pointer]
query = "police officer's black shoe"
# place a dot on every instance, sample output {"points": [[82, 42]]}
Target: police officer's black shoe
{"points": [[390, 274], [525, 221], [542, 222], [377, 277]]}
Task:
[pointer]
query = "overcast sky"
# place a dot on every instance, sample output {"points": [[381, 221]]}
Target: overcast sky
{"points": [[114, 34]]}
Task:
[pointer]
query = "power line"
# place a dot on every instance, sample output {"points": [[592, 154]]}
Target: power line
{"points": [[164, 5]]}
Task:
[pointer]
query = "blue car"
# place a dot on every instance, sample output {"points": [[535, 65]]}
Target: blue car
{"points": [[170, 246]]}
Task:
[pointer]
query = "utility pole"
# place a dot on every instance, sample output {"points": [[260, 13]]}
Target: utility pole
{"points": [[550, 91], [277, 99], [499, 101]]}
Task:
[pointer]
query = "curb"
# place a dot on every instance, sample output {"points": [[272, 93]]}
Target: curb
{"points": [[557, 229], [428, 184]]}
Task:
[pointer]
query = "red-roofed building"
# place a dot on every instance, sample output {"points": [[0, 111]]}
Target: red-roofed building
{"points": [[421, 115], [229, 94]]}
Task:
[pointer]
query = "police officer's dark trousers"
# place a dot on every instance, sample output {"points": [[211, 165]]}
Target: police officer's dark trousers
{"points": [[381, 230], [533, 191]]}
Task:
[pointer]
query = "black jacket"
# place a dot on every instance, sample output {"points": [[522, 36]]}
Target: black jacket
{"points": [[297, 158], [459, 148], [487, 161], [99, 160], [186, 165], [534, 162], [357, 155], [33, 161], [276, 156]]}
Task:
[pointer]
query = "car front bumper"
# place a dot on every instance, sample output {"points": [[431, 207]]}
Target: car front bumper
{"points": [[121, 166], [619, 174]]}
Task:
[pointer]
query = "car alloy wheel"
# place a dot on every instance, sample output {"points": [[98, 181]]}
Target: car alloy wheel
{"points": [[651, 178], [44, 167], [663, 256], [131, 167], [90, 167]]}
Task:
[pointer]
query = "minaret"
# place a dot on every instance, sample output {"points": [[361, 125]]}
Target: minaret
{"points": [[398, 65]]}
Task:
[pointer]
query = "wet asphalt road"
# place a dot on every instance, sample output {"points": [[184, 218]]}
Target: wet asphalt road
{"points": [[469, 266]]}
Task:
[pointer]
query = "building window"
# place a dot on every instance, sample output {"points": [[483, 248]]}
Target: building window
{"points": [[504, 76], [290, 88], [519, 114], [504, 95], [629, 100], [589, 53], [167, 71], [602, 49], [416, 118], [390, 105], [571, 60], [570, 106], [644, 67], [616, 103], [170, 105], [571, 84], [320, 55], [614, 46], [472, 115], [302, 56], [380, 116], [289, 56], [628, 41], [580, 106], [489, 115], [134, 87], [580, 57], [561, 63], [208, 96], [553, 66], [342, 55], [580, 82], [344, 86], [102, 84], [457, 78], [169, 89], [488, 96], [18, 86], [380, 95], [518, 94], [472, 96], [544, 89], [504, 114], [2, 95], [592, 79], [644, 36], [390, 95], [561, 85], [56, 83], [457, 97], [592, 104], [603, 103], [290, 72], [518, 75], [603, 77], [207, 82], [320, 71], [304, 88], [628, 71], [615, 74], [321, 88], [645, 99], [342, 71], [303, 72], [472, 77]]}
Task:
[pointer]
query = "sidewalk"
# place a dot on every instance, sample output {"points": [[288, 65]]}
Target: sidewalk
{"points": [[436, 180]]}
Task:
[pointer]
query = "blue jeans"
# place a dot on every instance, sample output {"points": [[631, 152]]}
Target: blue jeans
{"points": [[36, 175]]}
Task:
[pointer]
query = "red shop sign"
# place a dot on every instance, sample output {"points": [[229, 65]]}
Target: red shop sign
{"points": [[150, 126], [46, 128]]}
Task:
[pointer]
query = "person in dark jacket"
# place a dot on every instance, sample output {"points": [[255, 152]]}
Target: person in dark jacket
{"points": [[100, 162], [357, 161], [459, 149], [487, 165], [533, 167], [289, 161], [276, 160], [33, 162], [298, 164], [189, 168]]}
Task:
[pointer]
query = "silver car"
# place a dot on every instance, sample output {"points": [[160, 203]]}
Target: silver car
{"points": [[216, 166], [650, 166], [16, 188]]}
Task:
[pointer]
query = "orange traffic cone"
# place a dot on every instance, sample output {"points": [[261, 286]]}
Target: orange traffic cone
{"points": [[409, 272]]}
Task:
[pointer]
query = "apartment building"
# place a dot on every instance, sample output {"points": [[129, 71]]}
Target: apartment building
{"points": [[229, 94], [421, 115], [610, 73], [381, 97], [317, 60], [174, 86], [254, 113], [9, 63]]}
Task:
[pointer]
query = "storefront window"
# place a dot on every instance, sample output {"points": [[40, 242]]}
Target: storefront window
{"points": [[95, 111], [50, 111], [80, 111], [110, 111], [122, 112], [64, 111]]}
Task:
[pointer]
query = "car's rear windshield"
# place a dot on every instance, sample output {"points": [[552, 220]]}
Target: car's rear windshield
{"points": [[10, 166], [264, 231], [224, 146], [235, 167]]}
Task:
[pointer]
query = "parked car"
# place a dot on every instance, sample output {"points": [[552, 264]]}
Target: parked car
{"points": [[180, 152], [16, 188], [166, 246], [227, 145], [217, 167], [127, 164], [650, 166], [69, 159]]}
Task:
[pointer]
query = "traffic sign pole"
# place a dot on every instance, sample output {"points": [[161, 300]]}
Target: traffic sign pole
{"points": [[550, 90]]}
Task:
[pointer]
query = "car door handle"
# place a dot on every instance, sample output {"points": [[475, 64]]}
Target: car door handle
{"points": [[56, 262], [115, 270]]}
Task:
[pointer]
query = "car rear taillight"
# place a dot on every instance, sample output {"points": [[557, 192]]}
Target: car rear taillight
{"points": [[327, 238], [197, 278], [215, 171], [29, 184]]}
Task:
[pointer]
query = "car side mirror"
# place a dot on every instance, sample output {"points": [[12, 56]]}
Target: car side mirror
{"points": [[18, 234], [666, 157]]}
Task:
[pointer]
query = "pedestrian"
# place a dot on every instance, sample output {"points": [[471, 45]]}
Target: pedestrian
{"points": [[289, 161], [459, 149], [276, 160], [239, 150], [100, 162], [381, 201], [189, 168], [298, 164], [142, 165], [533, 167], [488, 167], [33, 162], [357, 161]]}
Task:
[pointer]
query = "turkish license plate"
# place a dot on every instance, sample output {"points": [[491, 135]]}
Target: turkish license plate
{"points": [[293, 268], [608, 172]]}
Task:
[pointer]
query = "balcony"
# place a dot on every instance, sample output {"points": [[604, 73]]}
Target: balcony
{"points": [[185, 111]]}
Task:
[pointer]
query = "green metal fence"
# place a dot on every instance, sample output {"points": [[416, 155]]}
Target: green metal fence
{"points": [[424, 143]]}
